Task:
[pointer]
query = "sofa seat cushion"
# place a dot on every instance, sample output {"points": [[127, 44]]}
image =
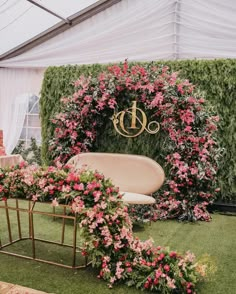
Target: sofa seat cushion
{"points": [[136, 198]]}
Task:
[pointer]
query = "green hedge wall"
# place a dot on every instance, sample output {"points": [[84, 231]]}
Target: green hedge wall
{"points": [[217, 78]]}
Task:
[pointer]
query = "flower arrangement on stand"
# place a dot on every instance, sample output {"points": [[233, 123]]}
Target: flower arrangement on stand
{"points": [[189, 127], [106, 228]]}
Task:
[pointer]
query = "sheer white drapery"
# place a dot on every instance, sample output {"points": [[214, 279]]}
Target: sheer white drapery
{"points": [[142, 30], [15, 88], [17, 117]]}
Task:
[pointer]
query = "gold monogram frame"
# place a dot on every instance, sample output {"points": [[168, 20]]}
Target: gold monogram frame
{"points": [[119, 125]]}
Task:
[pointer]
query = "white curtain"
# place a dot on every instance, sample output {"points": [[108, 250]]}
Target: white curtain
{"points": [[17, 116], [140, 31], [16, 85]]}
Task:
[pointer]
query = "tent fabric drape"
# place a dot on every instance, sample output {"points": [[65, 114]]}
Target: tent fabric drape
{"points": [[142, 31], [16, 86], [21, 20]]}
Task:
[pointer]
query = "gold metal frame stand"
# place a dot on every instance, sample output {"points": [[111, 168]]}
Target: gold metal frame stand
{"points": [[31, 212]]}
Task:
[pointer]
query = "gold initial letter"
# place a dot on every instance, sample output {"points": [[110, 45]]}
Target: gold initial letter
{"points": [[119, 122], [134, 111]]}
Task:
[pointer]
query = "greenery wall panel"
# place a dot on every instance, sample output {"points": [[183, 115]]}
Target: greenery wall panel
{"points": [[217, 78]]}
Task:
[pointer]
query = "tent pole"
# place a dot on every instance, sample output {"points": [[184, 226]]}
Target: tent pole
{"points": [[50, 11]]}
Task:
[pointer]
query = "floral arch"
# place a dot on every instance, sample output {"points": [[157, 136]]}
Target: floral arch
{"points": [[187, 124]]}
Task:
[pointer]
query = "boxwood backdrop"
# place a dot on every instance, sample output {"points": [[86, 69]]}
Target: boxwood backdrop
{"points": [[217, 78]]}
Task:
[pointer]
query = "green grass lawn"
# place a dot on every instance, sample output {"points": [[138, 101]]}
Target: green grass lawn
{"points": [[217, 239]]}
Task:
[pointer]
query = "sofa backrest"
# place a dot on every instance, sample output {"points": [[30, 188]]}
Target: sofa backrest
{"points": [[131, 173]]}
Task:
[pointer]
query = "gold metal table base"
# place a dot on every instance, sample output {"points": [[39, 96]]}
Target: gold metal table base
{"points": [[31, 212]]}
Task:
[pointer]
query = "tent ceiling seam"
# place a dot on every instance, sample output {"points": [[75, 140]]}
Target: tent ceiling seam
{"points": [[50, 11], [176, 28], [59, 28]]}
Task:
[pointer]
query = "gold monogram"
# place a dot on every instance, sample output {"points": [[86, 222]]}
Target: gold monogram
{"points": [[138, 117]]}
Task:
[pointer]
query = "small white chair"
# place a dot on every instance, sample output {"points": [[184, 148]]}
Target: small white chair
{"points": [[137, 176]]}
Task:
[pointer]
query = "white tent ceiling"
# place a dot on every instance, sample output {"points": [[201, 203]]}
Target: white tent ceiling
{"points": [[104, 31], [133, 29], [20, 20]]}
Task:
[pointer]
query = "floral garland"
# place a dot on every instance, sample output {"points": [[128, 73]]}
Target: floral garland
{"points": [[106, 227], [190, 147]]}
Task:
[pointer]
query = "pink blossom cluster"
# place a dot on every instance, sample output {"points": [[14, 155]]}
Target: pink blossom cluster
{"points": [[189, 129], [106, 228]]}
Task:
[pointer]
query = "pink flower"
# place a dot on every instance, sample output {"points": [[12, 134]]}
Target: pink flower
{"points": [[112, 280], [176, 155], [190, 257], [215, 118], [89, 134], [109, 190], [170, 283], [66, 188], [173, 254], [55, 202], [167, 268], [91, 186], [161, 256], [188, 129], [74, 135], [101, 105], [112, 103], [180, 89], [84, 111], [187, 116], [22, 164], [88, 99], [78, 187], [201, 100], [194, 170], [35, 197], [103, 205], [157, 100], [72, 177], [97, 195], [192, 100], [173, 78], [119, 270]]}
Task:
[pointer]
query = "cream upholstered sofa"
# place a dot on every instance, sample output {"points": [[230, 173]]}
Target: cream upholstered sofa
{"points": [[137, 176]]}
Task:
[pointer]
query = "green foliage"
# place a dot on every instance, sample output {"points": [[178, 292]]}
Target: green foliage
{"points": [[32, 154], [58, 83], [215, 77]]}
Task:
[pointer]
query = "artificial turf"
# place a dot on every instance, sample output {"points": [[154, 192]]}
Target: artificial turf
{"points": [[215, 241]]}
